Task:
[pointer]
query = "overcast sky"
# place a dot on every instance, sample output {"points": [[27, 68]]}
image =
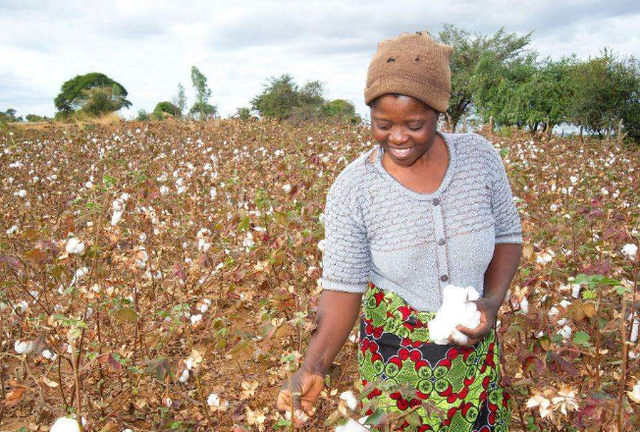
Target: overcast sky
{"points": [[150, 46]]}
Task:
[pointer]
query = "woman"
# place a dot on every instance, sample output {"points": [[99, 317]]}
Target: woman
{"points": [[419, 211]]}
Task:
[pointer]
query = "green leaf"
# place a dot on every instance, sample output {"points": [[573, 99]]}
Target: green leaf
{"points": [[622, 290], [582, 338], [243, 225], [374, 419], [282, 423]]}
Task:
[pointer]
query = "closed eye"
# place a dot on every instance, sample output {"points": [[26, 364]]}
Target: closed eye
{"points": [[411, 128]]}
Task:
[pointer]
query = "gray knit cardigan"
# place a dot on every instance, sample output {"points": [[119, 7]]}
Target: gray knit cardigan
{"points": [[415, 244]]}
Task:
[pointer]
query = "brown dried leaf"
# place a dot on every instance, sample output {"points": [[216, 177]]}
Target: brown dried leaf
{"points": [[15, 396]]}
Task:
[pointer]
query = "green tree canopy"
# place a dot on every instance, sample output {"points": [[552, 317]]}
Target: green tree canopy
{"points": [[203, 111], [342, 110], [9, 116], [168, 108], [283, 99], [607, 91], [77, 92], [465, 59], [523, 92], [201, 107]]}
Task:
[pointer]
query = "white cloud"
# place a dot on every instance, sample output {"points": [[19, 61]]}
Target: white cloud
{"points": [[149, 46]]}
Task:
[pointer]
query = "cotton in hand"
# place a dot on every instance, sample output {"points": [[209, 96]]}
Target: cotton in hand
{"points": [[458, 307]]}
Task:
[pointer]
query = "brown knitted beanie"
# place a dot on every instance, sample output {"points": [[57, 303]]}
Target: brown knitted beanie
{"points": [[414, 65]]}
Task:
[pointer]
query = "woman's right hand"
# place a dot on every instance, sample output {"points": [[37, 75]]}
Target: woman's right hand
{"points": [[302, 392]]}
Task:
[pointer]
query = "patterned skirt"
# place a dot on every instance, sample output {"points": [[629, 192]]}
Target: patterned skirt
{"points": [[447, 388]]}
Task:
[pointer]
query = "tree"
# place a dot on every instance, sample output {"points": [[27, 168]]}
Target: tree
{"points": [[97, 101], [78, 91], [523, 92], [341, 110], [166, 108], [203, 93], [607, 92], [244, 113], [9, 116], [35, 118], [464, 61], [203, 111], [142, 115], [180, 100], [283, 99]]}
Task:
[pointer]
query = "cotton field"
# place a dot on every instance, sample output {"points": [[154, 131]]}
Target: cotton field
{"points": [[165, 275]]}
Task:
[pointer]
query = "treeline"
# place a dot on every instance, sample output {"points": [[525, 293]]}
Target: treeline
{"points": [[496, 80]]}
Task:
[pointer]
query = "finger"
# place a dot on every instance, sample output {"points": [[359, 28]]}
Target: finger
{"points": [[284, 400]]}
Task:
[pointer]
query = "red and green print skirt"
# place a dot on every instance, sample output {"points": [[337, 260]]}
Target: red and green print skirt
{"points": [[447, 388]]}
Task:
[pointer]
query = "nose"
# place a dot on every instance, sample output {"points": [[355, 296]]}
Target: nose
{"points": [[396, 136]]}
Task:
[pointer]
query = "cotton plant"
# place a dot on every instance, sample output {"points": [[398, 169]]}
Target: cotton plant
{"points": [[23, 347], [118, 208], [630, 250], [67, 424], [74, 246], [458, 307], [216, 403]]}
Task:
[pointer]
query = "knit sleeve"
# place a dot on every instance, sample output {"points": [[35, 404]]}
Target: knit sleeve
{"points": [[507, 221], [347, 258]]}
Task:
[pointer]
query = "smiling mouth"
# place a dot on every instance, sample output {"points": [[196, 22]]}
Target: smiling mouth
{"points": [[401, 152]]}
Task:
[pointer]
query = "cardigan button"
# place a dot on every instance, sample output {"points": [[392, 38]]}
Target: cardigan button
{"points": [[441, 241], [444, 278], [436, 201]]}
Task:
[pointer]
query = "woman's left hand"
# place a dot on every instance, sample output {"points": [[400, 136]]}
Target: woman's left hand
{"points": [[488, 313]]}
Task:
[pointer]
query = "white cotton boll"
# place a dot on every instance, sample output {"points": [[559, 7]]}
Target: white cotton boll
{"points": [[65, 424], [565, 332], [575, 290], [49, 355], [213, 400], [12, 230], [472, 294], [22, 306], [456, 309], [287, 188], [353, 426], [74, 246], [524, 305], [23, 347], [195, 319], [562, 321], [203, 245], [81, 272], [553, 311], [248, 240], [115, 218], [351, 400], [630, 250], [565, 303], [184, 376], [634, 330]]}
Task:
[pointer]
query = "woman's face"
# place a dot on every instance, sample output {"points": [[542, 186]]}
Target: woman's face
{"points": [[404, 126]]}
